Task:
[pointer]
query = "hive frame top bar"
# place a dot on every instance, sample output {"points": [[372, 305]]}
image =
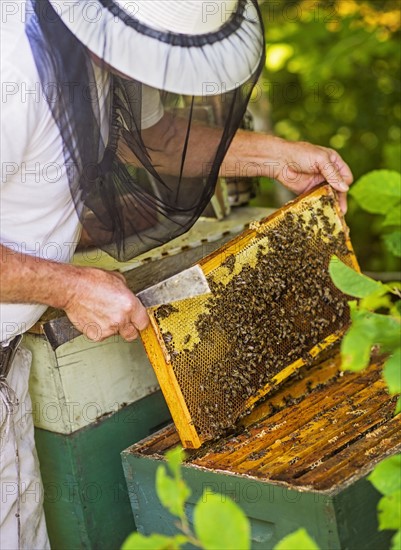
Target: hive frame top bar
{"points": [[208, 263]]}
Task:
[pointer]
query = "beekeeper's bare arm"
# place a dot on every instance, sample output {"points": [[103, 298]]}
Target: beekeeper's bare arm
{"points": [[97, 302], [297, 165]]}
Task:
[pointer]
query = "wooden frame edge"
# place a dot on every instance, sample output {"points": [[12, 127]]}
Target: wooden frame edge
{"points": [[170, 387]]}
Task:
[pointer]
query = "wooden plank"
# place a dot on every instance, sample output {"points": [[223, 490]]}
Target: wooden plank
{"points": [[293, 390], [307, 435], [312, 449], [369, 408], [170, 387], [158, 443]]}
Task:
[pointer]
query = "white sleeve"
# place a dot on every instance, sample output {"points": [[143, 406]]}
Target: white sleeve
{"points": [[15, 122], [152, 108], [21, 106]]}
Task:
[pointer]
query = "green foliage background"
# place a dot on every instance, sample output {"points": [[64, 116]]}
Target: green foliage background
{"points": [[332, 77]]}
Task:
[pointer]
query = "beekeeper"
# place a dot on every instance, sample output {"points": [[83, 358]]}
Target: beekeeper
{"points": [[100, 138]]}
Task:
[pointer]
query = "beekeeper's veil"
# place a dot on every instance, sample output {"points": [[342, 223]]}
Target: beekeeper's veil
{"points": [[147, 95]]}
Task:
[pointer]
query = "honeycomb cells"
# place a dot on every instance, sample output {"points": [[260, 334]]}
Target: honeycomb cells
{"points": [[272, 301]]}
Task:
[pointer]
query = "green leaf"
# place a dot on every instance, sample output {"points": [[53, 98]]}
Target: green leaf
{"points": [[355, 349], [393, 242], [373, 302], [368, 329], [389, 509], [392, 373], [396, 541], [393, 217], [174, 458], [386, 477], [220, 523], [172, 492], [383, 330], [136, 541], [398, 406], [299, 540], [353, 283], [378, 191], [387, 329]]}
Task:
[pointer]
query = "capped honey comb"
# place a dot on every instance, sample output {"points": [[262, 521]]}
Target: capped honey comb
{"points": [[272, 309]]}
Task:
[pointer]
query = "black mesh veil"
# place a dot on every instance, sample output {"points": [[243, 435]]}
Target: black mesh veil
{"points": [[142, 162]]}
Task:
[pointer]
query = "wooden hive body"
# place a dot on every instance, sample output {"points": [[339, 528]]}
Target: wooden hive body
{"points": [[85, 413], [299, 460]]}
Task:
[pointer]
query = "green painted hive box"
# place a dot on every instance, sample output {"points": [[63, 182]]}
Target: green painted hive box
{"points": [[86, 499], [89, 401], [300, 459]]}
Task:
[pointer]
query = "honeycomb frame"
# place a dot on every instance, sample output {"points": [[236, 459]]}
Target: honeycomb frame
{"points": [[161, 345]]}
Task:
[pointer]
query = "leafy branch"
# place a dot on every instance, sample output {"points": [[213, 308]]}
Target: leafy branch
{"points": [[376, 321], [386, 478], [368, 328]]}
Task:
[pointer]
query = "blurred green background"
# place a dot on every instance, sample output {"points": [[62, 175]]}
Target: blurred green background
{"points": [[332, 77]]}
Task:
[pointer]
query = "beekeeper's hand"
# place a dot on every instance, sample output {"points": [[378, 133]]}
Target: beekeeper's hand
{"points": [[298, 165]]}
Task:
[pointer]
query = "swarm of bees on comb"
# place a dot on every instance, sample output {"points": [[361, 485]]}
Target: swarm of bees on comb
{"points": [[271, 302]]}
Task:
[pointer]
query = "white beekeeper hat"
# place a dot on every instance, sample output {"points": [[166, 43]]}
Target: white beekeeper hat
{"points": [[136, 184], [183, 46]]}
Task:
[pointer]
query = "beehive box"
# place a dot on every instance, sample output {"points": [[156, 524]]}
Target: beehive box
{"points": [[297, 449], [86, 501], [89, 402], [298, 460], [272, 308]]}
